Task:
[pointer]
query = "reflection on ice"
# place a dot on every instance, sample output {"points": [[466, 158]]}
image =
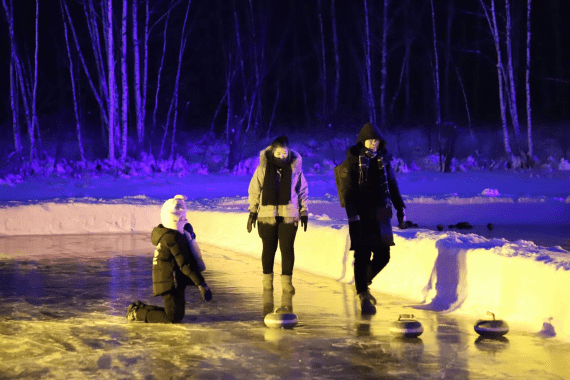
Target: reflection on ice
{"points": [[64, 300]]}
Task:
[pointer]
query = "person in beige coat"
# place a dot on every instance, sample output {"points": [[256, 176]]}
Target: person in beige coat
{"points": [[278, 194]]}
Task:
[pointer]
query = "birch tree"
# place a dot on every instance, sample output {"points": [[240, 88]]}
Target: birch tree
{"points": [[336, 60], [511, 77], [139, 113], [13, 77], [490, 14], [367, 57], [73, 89], [384, 63], [528, 108], [108, 28], [436, 68], [124, 84], [323, 69]]}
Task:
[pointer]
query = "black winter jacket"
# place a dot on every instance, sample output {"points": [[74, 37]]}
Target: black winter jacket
{"points": [[371, 203], [173, 265]]}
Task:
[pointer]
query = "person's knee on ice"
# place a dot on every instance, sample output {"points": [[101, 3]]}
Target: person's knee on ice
{"points": [[177, 262]]}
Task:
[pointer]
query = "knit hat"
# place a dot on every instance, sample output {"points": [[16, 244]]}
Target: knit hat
{"points": [[369, 132], [173, 213]]}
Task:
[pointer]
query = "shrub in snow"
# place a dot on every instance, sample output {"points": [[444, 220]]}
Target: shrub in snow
{"points": [[564, 165], [430, 162], [414, 167], [316, 167], [399, 165], [491, 192]]}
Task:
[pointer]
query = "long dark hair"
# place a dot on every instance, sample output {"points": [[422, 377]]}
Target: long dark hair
{"points": [[280, 142]]}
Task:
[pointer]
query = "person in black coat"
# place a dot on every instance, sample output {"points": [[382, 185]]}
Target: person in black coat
{"points": [[174, 267], [368, 190]]}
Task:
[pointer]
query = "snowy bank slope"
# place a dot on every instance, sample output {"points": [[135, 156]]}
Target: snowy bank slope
{"points": [[444, 271]]}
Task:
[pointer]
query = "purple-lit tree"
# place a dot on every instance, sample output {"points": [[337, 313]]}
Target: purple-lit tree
{"points": [[124, 84], [527, 77], [73, 88], [384, 68], [336, 60], [370, 101]]}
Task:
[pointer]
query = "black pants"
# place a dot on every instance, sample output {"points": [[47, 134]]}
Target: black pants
{"points": [[365, 269], [172, 312], [272, 234]]}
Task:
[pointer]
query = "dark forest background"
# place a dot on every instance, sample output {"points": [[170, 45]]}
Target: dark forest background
{"points": [[252, 68]]}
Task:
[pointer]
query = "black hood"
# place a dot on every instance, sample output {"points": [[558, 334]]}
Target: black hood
{"points": [[368, 132]]}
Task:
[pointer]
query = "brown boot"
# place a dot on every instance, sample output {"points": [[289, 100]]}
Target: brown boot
{"points": [[267, 281], [286, 284]]}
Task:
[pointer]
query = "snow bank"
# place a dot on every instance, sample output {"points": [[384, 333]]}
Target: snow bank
{"points": [[441, 271]]}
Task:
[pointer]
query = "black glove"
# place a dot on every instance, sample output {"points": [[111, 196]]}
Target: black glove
{"points": [[188, 228], [251, 220], [304, 221], [401, 214], [355, 234], [206, 292]]}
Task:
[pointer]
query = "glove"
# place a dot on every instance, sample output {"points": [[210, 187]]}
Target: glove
{"points": [[355, 234], [206, 292], [251, 220], [304, 221], [401, 214], [188, 228]]}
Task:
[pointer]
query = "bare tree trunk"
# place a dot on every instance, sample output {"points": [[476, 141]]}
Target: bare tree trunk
{"points": [[124, 85], [256, 63], [183, 39], [492, 20], [144, 94], [512, 92], [39, 150], [336, 60], [528, 109], [13, 78], [436, 68], [160, 70], [370, 93], [384, 64], [273, 112], [323, 64], [108, 27], [101, 94], [450, 12], [93, 27], [75, 109], [137, 74]]}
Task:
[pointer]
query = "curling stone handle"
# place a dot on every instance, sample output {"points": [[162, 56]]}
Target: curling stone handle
{"points": [[407, 316], [491, 314]]}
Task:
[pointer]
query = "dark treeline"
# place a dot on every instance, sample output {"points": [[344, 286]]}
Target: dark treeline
{"points": [[133, 73]]}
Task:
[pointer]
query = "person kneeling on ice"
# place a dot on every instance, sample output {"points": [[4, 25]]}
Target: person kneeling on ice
{"points": [[177, 263], [368, 189]]}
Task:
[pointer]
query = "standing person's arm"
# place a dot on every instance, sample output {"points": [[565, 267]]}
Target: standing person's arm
{"points": [[302, 189], [395, 194], [254, 196]]}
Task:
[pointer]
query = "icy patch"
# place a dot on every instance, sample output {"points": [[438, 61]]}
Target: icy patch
{"points": [[491, 192]]}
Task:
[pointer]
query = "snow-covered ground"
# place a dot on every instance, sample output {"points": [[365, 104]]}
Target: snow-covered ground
{"points": [[522, 282]]}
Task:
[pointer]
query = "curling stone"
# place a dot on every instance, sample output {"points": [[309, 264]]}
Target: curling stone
{"points": [[281, 317], [491, 328], [407, 327]]}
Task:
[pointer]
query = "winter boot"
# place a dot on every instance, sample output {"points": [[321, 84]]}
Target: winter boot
{"points": [[267, 281], [268, 305], [133, 313], [286, 284], [366, 305]]}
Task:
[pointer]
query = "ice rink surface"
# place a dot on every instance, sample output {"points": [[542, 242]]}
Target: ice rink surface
{"points": [[63, 301]]}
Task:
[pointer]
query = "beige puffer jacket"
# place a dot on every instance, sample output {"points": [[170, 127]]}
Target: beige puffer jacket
{"points": [[299, 192]]}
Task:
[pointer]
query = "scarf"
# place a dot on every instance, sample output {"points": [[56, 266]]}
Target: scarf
{"points": [[277, 182], [363, 164]]}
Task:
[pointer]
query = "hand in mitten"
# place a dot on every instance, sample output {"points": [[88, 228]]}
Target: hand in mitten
{"points": [[251, 221], [355, 234], [188, 228], [304, 221], [401, 214], [206, 292]]}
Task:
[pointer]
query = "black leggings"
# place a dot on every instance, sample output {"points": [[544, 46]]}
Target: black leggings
{"points": [[365, 269], [272, 234], [172, 312]]}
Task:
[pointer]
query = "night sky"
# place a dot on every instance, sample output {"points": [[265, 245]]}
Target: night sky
{"points": [[288, 32]]}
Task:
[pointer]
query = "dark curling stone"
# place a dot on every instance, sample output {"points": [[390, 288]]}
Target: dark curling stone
{"points": [[461, 226], [490, 226], [407, 327], [440, 227], [281, 318], [410, 224], [491, 328]]}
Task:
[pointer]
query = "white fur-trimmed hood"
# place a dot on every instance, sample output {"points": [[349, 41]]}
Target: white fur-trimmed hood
{"points": [[296, 159]]}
